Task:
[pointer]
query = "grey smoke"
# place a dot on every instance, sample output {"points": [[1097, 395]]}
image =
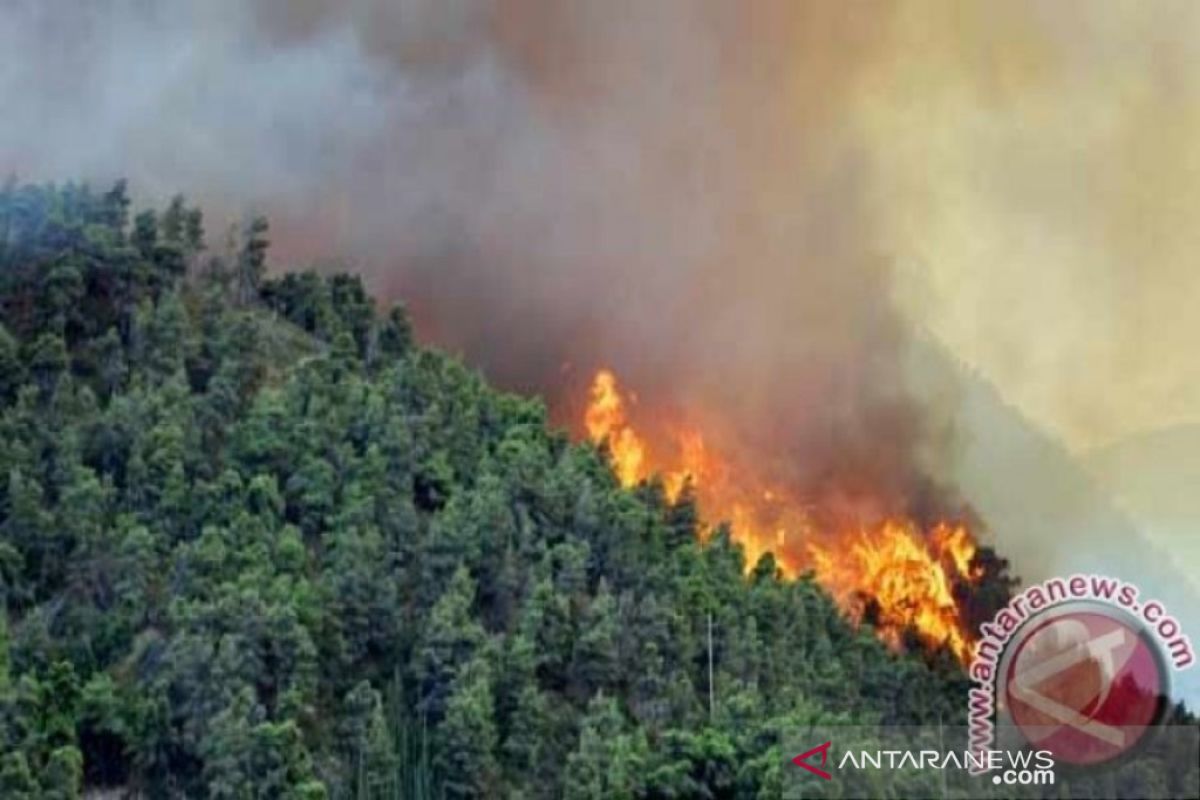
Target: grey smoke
{"points": [[707, 196], [673, 189]]}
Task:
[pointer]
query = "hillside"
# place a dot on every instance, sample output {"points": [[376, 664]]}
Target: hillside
{"points": [[256, 542], [1154, 476]]}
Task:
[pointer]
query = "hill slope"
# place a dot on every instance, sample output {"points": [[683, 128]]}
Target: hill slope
{"points": [[253, 541], [1154, 477]]}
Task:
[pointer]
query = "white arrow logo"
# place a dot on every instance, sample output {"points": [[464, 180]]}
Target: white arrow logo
{"points": [[1100, 650]]}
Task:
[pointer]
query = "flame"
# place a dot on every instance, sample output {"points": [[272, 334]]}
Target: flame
{"points": [[904, 577], [605, 421], [891, 573]]}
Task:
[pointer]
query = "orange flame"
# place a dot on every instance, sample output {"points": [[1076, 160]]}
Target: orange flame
{"points": [[899, 576], [905, 576], [605, 421]]}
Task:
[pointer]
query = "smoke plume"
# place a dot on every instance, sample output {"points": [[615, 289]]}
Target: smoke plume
{"points": [[741, 208]]}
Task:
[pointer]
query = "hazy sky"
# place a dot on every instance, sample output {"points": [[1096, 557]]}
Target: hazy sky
{"points": [[1041, 167]]}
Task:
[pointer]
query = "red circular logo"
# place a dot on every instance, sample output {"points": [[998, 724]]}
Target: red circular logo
{"points": [[1084, 683]]}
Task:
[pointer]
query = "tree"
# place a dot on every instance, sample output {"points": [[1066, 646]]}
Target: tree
{"points": [[395, 335], [16, 781], [529, 744], [369, 743], [276, 548], [183, 227], [683, 518], [596, 662], [353, 307], [4, 658], [63, 778], [249, 756], [609, 761], [173, 220], [145, 233], [252, 260], [452, 638], [359, 600], [466, 759], [546, 623], [115, 207], [694, 764], [10, 367], [47, 361]]}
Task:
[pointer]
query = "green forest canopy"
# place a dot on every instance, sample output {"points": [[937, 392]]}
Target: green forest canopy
{"points": [[255, 542]]}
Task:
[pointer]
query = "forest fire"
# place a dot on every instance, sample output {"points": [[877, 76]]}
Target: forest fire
{"points": [[893, 573], [902, 578]]}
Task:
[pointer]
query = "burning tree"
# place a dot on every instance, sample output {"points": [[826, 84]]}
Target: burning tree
{"points": [[894, 572]]}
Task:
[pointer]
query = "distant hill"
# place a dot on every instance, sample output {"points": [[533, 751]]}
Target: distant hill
{"points": [[1155, 477], [1052, 514]]}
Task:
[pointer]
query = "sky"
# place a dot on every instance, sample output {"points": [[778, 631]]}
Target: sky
{"points": [[1042, 166]]}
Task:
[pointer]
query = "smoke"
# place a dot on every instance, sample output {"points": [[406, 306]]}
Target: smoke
{"points": [[1041, 168], [742, 209]]}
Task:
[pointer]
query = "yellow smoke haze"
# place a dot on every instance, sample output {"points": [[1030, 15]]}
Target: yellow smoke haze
{"points": [[1037, 170]]}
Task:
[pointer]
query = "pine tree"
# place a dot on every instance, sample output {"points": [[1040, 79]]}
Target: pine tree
{"points": [[251, 260], [466, 759], [10, 367], [453, 636], [47, 362], [63, 777], [396, 335], [369, 743], [225, 526], [595, 665], [609, 761], [16, 780]]}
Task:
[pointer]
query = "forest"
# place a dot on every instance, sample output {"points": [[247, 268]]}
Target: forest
{"points": [[257, 542]]}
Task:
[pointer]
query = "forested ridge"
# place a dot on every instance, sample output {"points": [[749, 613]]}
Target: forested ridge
{"points": [[256, 542]]}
